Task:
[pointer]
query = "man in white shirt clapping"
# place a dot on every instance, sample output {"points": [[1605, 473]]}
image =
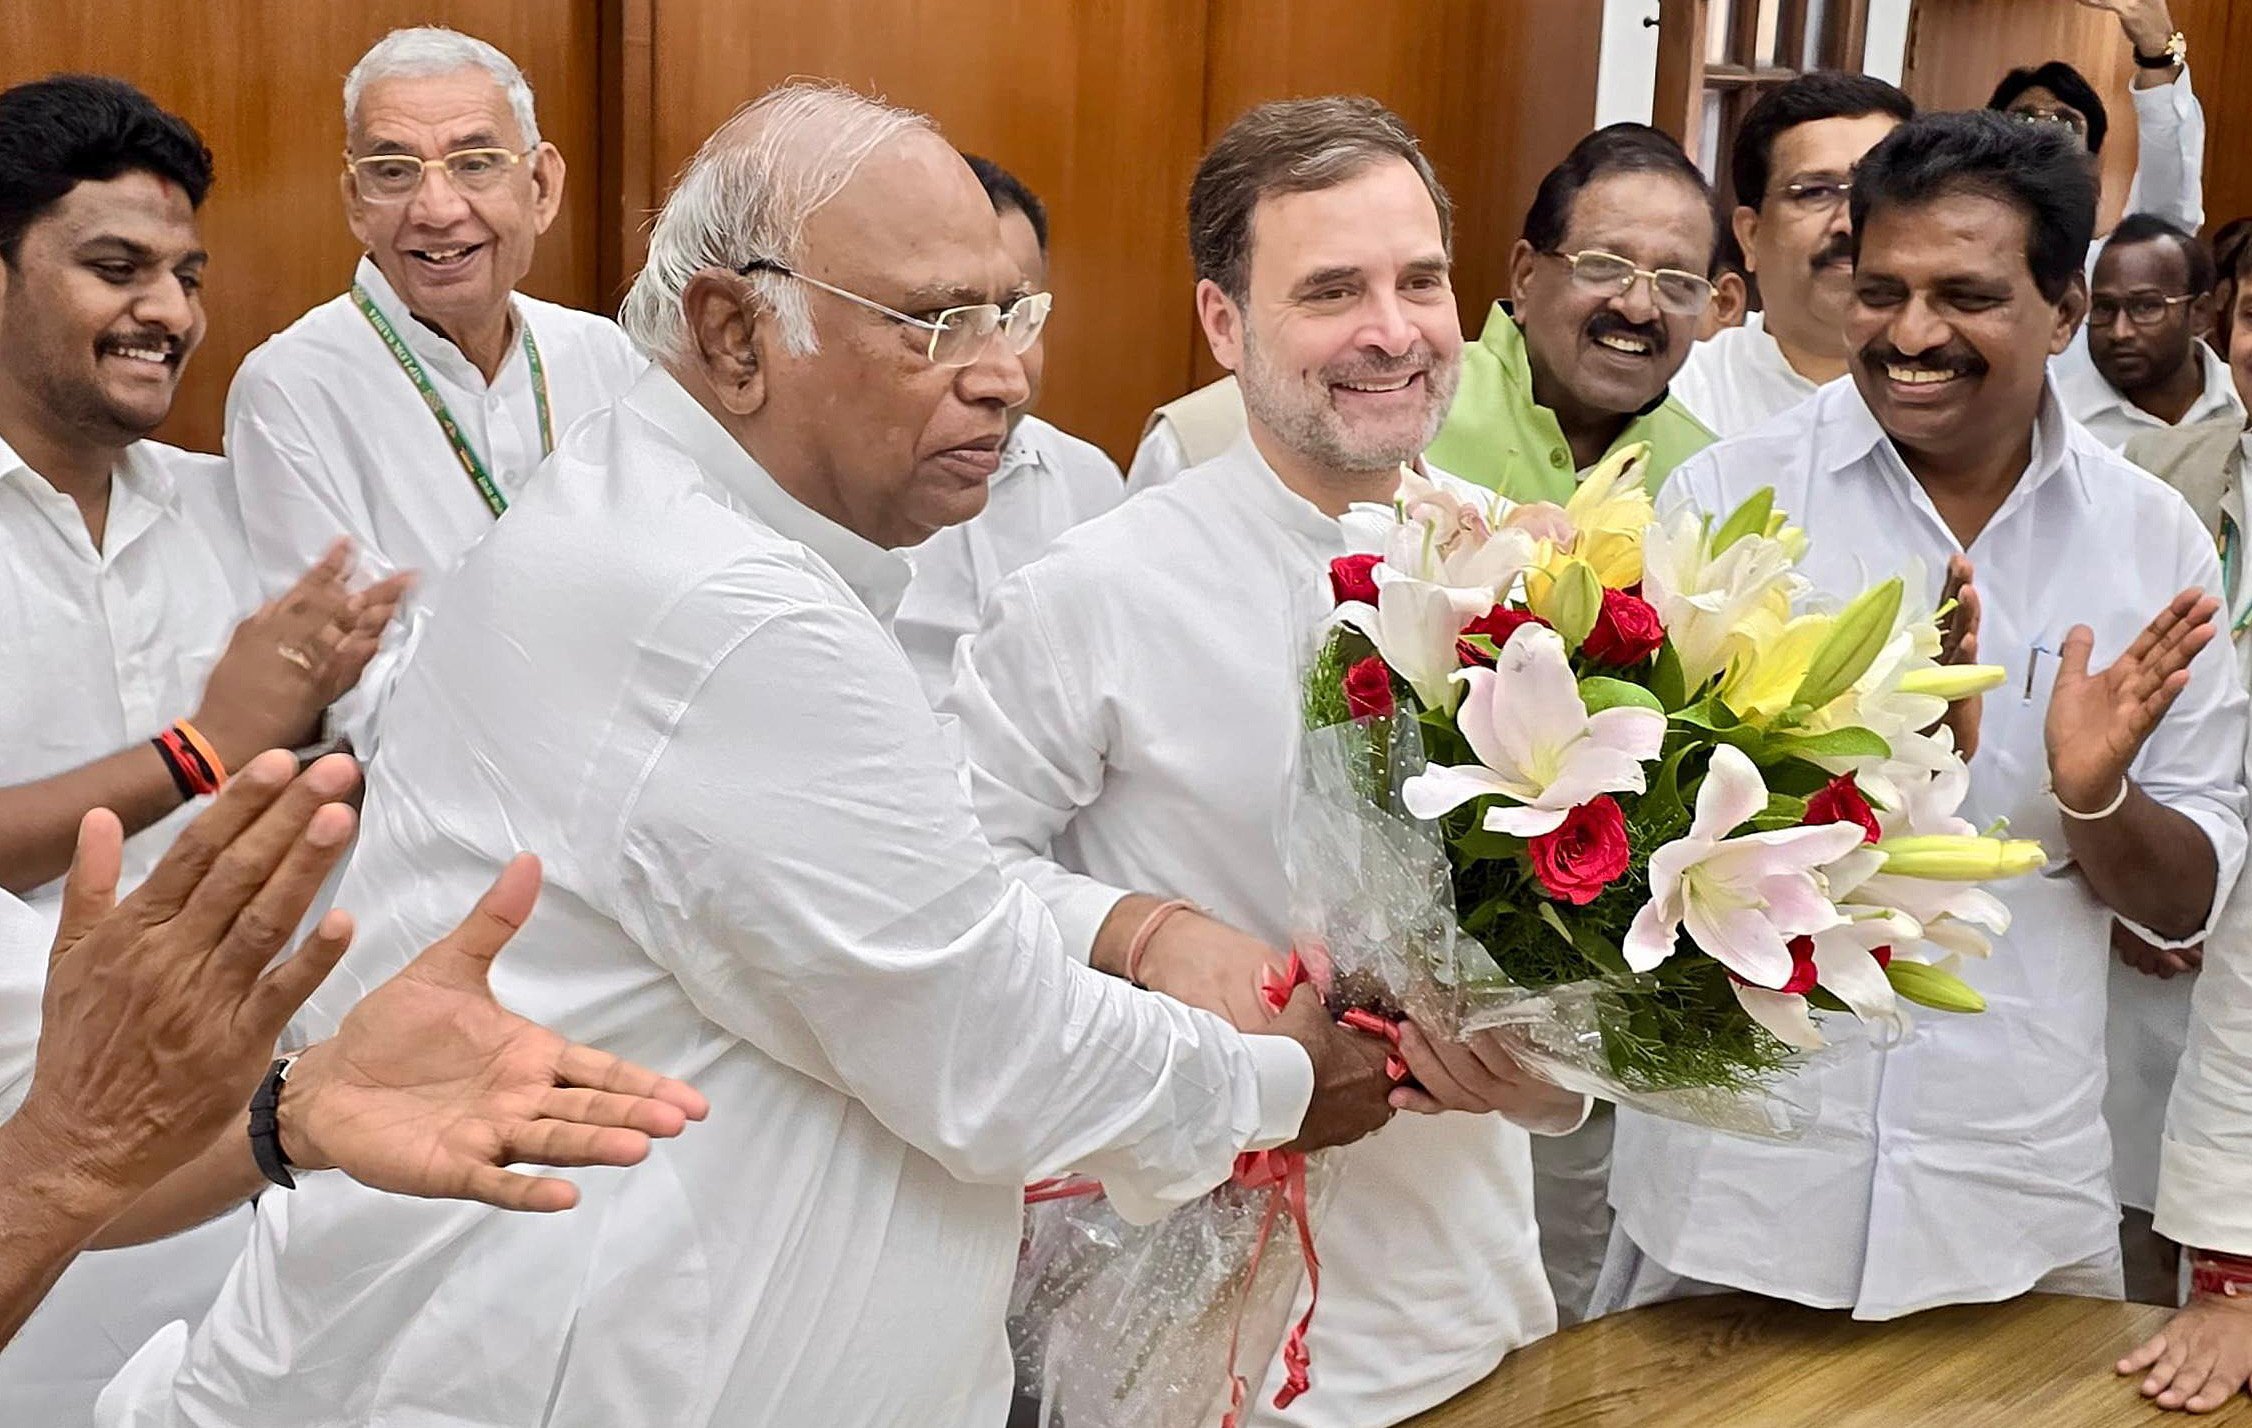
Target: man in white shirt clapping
{"points": [[408, 412], [1049, 480], [1130, 712], [1968, 1160], [1793, 171], [669, 670]]}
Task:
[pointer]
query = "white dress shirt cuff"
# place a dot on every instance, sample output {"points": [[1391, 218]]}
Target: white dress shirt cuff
{"points": [[1587, 1108], [2227, 835], [1080, 906], [2201, 1198], [1286, 1088]]}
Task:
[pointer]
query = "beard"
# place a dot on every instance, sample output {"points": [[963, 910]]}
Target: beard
{"points": [[1300, 412]]}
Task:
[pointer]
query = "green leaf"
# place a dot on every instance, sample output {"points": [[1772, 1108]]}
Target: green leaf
{"points": [[1708, 714], [1600, 692], [1749, 519], [1782, 811], [1549, 915], [1823, 999], [1662, 804], [1851, 742], [1484, 843], [1667, 680]]}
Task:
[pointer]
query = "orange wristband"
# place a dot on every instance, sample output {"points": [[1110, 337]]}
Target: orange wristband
{"points": [[202, 746]]}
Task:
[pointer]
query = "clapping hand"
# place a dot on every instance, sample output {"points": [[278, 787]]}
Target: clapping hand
{"points": [[2097, 722], [1958, 644]]}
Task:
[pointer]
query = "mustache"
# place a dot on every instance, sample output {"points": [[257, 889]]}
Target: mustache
{"points": [[1607, 322], [1838, 248], [1421, 358], [1954, 358]]}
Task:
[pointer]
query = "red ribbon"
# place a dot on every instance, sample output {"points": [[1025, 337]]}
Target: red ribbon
{"points": [[1377, 1024]]}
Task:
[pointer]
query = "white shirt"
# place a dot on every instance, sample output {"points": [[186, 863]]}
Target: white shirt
{"points": [[1971, 1159], [108, 647], [329, 437], [2169, 158], [2113, 419], [1738, 378], [1130, 712], [1158, 459], [1049, 481], [764, 875]]}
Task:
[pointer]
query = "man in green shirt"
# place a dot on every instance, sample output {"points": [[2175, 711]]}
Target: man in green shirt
{"points": [[1608, 285]]}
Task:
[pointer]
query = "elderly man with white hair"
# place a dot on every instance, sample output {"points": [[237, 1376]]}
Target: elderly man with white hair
{"points": [[669, 671], [409, 411]]}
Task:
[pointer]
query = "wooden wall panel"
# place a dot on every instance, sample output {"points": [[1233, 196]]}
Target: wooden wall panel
{"points": [[262, 80], [1958, 49], [1497, 92], [1097, 107]]}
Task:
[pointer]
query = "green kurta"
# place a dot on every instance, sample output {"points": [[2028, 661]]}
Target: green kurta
{"points": [[1498, 436]]}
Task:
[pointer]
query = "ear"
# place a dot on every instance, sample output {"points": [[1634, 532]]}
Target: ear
{"points": [[728, 337], [1730, 298], [547, 185], [355, 212], [2071, 310], [2203, 313], [1745, 222], [1222, 321], [1521, 262]]}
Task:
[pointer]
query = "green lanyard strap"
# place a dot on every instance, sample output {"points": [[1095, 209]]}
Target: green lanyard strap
{"points": [[463, 453]]}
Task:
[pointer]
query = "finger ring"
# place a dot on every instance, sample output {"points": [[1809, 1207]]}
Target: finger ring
{"points": [[295, 656]]}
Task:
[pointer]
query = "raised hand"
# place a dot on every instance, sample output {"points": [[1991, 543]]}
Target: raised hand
{"points": [[1479, 1075], [2148, 24], [2097, 722], [1958, 644], [268, 688], [160, 1013], [431, 1086], [2201, 1359]]}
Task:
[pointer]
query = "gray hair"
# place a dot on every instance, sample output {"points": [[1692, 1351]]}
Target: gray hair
{"points": [[747, 195], [430, 50]]}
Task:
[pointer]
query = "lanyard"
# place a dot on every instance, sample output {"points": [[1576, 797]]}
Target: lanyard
{"points": [[2232, 559], [478, 475]]}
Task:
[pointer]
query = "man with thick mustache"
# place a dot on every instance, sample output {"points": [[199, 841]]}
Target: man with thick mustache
{"points": [[1609, 283], [137, 681], [1793, 169], [408, 412], [1968, 1159], [1130, 711]]}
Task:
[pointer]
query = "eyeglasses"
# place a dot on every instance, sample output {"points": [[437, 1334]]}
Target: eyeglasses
{"points": [[394, 178], [2063, 118], [959, 335], [1683, 294], [1817, 196], [2142, 309]]}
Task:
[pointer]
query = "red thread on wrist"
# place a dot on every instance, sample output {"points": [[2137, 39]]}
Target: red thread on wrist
{"points": [[1148, 930]]}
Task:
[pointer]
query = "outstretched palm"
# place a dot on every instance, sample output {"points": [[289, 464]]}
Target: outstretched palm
{"points": [[2097, 722], [431, 1086]]}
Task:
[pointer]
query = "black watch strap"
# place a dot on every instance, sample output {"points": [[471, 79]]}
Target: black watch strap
{"points": [[265, 1126]]}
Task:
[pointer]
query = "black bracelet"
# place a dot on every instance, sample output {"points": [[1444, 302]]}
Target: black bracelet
{"points": [[265, 1126], [172, 766]]}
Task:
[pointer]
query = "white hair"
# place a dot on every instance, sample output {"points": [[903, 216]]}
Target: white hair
{"points": [[747, 195], [429, 50]]}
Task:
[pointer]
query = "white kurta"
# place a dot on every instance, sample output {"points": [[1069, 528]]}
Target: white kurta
{"points": [[1971, 1159], [1130, 713], [1738, 378], [109, 646], [329, 437], [764, 875], [2091, 400], [1049, 481]]}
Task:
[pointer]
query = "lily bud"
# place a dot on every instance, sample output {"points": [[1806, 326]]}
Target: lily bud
{"points": [[1927, 986], [1568, 596], [1853, 644], [1952, 681], [1960, 857], [1748, 519]]}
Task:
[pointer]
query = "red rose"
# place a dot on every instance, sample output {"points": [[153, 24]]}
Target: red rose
{"points": [[1803, 972], [1585, 854], [1497, 624], [1627, 630], [1349, 578], [1883, 956], [1840, 801], [1368, 689]]}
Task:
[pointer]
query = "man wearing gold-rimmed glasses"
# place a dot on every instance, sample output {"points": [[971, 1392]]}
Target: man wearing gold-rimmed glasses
{"points": [[410, 411]]}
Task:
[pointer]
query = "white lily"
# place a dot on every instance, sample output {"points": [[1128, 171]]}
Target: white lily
{"points": [[1952, 919], [1449, 540], [1414, 625], [1536, 743], [1742, 898], [1705, 600]]}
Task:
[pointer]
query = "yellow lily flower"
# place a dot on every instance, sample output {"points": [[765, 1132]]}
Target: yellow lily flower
{"points": [[1609, 511], [1763, 677]]}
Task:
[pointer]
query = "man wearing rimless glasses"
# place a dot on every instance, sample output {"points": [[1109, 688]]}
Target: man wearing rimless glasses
{"points": [[408, 412], [1609, 284]]}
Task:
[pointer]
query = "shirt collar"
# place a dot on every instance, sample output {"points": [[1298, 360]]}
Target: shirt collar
{"points": [[433, 351], [142, 489], [1026, 450], [876, 575], [1265, 496]]}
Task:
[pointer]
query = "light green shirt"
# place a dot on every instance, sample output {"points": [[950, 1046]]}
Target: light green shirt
{"points": [[1498, 436]]}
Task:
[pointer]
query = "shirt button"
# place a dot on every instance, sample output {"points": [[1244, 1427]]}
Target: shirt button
{"points": [[1558, 459]]}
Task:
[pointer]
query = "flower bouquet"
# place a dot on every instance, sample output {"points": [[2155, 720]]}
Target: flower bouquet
{"points": [[1619, 791]]}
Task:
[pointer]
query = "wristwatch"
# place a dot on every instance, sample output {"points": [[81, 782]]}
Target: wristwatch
{"points": [[265, 1126], [2175, 51]]}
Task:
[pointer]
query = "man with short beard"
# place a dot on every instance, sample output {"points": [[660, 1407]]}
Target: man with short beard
{"points": [[1967, 1159], [1130, 713], [1609, 282], [2150, 303], [136, 682], [1793, 170]]}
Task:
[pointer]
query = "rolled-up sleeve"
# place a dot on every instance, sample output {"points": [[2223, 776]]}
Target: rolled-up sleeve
{"points": [[801, 857], [2169, 153]]}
